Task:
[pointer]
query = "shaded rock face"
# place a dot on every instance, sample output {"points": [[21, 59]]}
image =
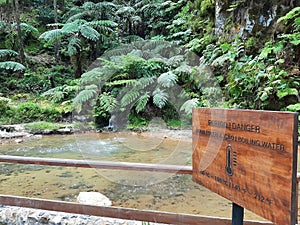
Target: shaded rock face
{"points": [[246, 17]]}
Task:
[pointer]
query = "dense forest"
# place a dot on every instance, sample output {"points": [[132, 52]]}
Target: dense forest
{"points": [[145, 59]]}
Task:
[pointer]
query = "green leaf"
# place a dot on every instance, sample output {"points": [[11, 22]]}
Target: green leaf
{"points": [[51, 34], [10, 65], [167, 79], [85, 95], [295, 42], [121, 82], [89, 33], [264, 96], [294, 107], [129, 98], [188, 106], [7, 53], [142, 102], [287, 91], [160, 98]]}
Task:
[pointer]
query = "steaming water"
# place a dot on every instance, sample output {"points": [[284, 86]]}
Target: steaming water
{"points": [[141, 190]]}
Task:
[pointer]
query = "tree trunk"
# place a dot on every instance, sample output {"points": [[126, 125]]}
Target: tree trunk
{"points": [[7, 11], [57, 45], [20, 40], [78, 65]]}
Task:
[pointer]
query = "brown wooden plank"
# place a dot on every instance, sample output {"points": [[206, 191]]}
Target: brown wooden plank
{"points": [[250, 158], [117, 212], [98, 164]]}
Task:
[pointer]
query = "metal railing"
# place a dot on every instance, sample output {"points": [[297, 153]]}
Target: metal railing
{"points": [[113, 212]]}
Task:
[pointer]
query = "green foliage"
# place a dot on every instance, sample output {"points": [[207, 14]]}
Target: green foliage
{"points": [[106, 104], [136, 121], [37, 126], [13, 66], [6, 53], [253, 82], [294, 107], [4, 105], [26, 112]]}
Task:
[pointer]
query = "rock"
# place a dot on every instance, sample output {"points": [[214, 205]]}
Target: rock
{"points": [[93, 198], [64, 131], [19, 141], [79, 118]]}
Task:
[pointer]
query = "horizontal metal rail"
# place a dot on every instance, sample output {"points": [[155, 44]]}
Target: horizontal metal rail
{"points": [[101, 164], [97, 164], [118, 212]]}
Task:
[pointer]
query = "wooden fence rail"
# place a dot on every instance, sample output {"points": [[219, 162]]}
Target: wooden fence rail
{"points": [[113, 212]]}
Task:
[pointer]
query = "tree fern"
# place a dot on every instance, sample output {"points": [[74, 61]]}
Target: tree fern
{"points": [[10, 65], [168, 79], [142, 102], [160, 98]]}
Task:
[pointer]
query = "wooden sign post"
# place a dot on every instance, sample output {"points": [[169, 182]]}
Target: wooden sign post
{"points": [[250, 158]]}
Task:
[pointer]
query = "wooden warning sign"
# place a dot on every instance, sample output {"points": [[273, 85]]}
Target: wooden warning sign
{"points": [[250, 158]]}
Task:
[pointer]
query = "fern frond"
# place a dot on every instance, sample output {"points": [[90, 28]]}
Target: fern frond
{"points": [[121, 82], [77, 16], [184, 68], [106, 5], [188, 106], [26, 28], [160, 98], [91, 77], [74, 45], [102, 23], [4, 53], [10, 65], [129, 97], [142, 102], [73, 27], [295, 12], [122, 50], [89, 6], [176, 60], [51, 34], [89, 33], [168, 79], [127, 10], [132, 38], [108, 102], [143, 82], [71, 88], [84, 96]]}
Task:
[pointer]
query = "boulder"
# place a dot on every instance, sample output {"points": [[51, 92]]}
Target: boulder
{"points": [[93, 198]]}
